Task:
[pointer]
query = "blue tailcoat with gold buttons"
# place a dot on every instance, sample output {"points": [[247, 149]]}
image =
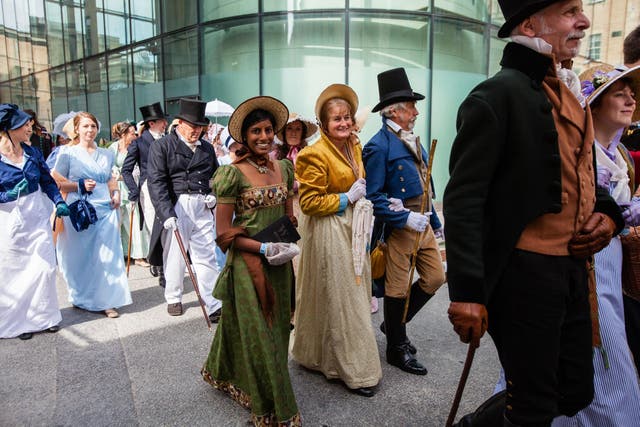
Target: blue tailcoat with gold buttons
{"points": [[392, 172]]}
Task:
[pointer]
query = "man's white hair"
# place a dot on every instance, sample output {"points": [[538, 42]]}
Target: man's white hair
{"points": [[386, 111]]}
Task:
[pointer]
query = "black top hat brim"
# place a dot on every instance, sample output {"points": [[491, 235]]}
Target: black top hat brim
{"points": [[194, 121], [528, 10], [400, 96]]}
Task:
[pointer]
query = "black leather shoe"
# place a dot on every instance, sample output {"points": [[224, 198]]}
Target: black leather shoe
{"points": [[364, 391], [215, 316], [401, 358], [26, 336], [53, 329], [489, 414], [153, 269], [412, 349]]}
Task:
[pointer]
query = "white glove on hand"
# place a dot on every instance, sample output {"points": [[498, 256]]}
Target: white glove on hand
{"points": [[171, 224], [439, 233], [395, 205], [279, 253], [210, 201], [418, 222], [357, 190]]}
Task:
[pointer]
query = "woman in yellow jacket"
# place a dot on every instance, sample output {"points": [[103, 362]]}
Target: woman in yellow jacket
{"points": [[333, 332]]}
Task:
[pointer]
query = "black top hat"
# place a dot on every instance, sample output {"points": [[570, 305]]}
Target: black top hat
{"points": [[393, 86], [152, 112], [515, 11], [192, 111]]}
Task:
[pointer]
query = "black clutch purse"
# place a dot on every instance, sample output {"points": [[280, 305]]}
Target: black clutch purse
{"points": [[82, 214], [282, 230]]}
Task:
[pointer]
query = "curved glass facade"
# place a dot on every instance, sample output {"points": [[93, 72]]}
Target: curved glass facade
{"points": [[111, 56]]}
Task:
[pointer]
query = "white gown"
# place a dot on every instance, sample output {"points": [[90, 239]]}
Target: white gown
{"points": [[28, 297]]}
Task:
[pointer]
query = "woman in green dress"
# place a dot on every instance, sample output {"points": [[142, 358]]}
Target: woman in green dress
{"points": [[249, 353]]}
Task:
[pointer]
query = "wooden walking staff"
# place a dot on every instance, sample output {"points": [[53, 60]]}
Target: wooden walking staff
{"points": [[133, 207], [461, 384], [426, 196], [191, 275]]}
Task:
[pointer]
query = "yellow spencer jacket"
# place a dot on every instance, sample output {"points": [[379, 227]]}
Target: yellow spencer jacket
{"points": [[323, 172]]}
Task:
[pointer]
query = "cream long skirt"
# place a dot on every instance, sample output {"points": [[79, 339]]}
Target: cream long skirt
{"points": [[333, 332]]}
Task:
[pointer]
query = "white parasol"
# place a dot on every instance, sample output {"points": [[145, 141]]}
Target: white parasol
{"points": [[60, 121], [217, 108], [361, 235]]}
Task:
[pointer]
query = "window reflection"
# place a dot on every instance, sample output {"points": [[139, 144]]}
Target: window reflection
{"points": [[179, 13], [97, 90], [181, 64], [302, 55], [210, 10], [477, 9], [459, 64], [38, 35], [230, 61], [76, 87], [116, 17], [74, 31], [55, 42], [58, 84], [286, 5], [381, 42], [416, 5], [147, 74], [144, 19], [120, 88]]}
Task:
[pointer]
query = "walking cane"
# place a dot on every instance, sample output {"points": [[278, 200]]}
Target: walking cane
{"points": [[425, 195], [192, 276], [462, 383], [133, 207]]}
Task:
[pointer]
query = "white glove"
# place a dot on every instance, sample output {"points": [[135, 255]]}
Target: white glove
{"points": [[395, 205], [279, 253], [439, 233], [418, 222], [210, 201], [171, 224], [357, 190]]}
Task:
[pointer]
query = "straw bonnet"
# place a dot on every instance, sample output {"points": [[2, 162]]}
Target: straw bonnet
{"points": [[596, 80], [267, 103], [312, 128], [337, 91]]}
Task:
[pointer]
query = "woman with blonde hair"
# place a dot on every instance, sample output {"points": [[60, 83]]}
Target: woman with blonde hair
{"points": [[123, 134], [91, 260], [333, 332]]}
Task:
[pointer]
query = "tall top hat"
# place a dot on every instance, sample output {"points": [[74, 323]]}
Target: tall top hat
{"points": [[152, 112], [192, 111], [393, 86], [515, 11]]}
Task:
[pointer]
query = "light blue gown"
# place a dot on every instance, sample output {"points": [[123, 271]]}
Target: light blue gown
{"points": [[91, 261]]}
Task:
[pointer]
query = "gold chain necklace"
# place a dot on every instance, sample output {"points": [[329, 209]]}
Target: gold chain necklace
{"points": [[261, 169]]}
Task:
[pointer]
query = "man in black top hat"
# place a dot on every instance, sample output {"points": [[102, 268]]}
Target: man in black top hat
{"points": [[396, 165], [153, 128], [180, 167], [523, 218]]}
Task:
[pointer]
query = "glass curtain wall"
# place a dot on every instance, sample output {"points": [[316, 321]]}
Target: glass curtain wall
{"points": [[112, 56]]}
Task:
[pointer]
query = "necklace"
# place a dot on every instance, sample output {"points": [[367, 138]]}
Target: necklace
{"points": [[261, 169]]}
